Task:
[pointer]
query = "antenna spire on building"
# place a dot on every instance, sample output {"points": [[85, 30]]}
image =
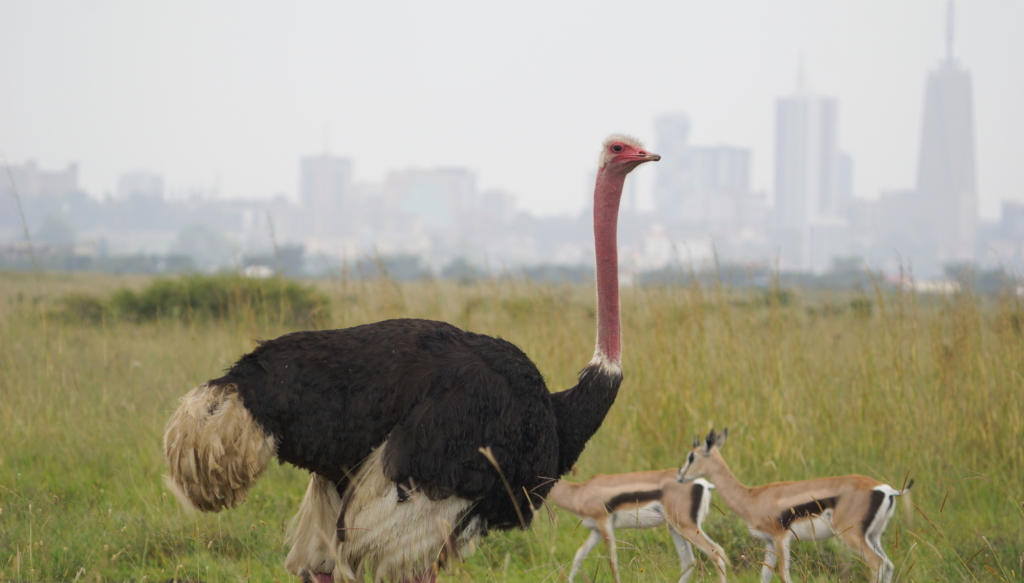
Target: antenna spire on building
{"points": [[949, 31], [801, 83]]}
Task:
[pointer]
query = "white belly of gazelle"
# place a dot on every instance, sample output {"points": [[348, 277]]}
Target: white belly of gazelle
{"points": [[642, 516], [813, 527]]}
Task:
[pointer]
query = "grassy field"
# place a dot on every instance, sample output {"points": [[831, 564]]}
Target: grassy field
{"points": [[877, 383]]}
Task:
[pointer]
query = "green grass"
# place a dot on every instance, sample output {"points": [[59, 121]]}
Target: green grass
{"points": [[819, 386]]}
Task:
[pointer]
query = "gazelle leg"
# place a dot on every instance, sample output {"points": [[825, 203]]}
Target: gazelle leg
{"points": [[686, 558], [886, 568], [782, 544], [771, 555], [591, 542], [715, 552], [707, 546], [613, 551], [860, 544], [609, 538]]}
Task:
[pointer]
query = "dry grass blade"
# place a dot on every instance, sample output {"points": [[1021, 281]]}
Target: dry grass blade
{"points": [[974, 555], [486, 451]]}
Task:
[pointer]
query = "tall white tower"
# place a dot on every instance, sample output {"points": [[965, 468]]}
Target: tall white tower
{"points": [[946, 182]]}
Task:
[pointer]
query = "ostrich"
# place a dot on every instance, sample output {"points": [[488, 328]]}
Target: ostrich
{"points": [[420, 436]]}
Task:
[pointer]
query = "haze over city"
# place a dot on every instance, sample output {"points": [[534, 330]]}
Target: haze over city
{"points": [[226, 99]]}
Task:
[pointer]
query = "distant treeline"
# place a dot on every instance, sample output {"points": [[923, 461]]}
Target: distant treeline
{"points": [[140, 263], [291, 262]]}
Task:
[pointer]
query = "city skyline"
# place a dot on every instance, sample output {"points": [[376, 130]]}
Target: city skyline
{"points": [[217, 125]]}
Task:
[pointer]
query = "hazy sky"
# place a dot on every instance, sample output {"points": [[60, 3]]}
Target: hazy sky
{"points": [[233, 94]]}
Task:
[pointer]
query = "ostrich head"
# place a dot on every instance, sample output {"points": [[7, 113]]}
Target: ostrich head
{"points": [[620, 154]]}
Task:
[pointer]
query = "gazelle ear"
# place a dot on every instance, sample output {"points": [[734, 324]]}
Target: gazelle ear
{"points": [[721, 437], [709, 441]]}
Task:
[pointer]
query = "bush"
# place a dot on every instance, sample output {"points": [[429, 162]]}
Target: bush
{"points": [[79, 307], [861, 307], [778, 297], [202, 297]]}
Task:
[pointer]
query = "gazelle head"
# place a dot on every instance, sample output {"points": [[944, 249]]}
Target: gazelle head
{"points": [[703, 456]]}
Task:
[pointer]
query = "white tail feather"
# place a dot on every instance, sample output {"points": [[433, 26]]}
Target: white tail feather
{"points": [[311, 531], [214, 448]]}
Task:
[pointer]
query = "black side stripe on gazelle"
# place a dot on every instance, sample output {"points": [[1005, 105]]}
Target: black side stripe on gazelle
{"points": [[812, 508], [696, 498], [631, 498], [877, 496]]}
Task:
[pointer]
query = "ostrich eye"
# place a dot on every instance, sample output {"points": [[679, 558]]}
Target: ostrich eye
{"points": [[617, 148]]}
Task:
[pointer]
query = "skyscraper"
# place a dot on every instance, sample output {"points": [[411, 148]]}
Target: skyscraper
{"points": [[437, 198], [700, 187], [806, 157], [946, 184], [326, 190], [812, 180], [672, 133]]}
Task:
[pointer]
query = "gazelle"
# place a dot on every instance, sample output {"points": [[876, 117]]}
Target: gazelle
{"points": [[641, 500], [854, 508]]}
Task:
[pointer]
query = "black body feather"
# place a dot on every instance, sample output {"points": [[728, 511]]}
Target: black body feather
{"points": [[436, 394], [581, 410]]}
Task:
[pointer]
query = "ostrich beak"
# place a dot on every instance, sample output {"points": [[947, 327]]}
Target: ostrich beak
{"points": [[650, 157]]}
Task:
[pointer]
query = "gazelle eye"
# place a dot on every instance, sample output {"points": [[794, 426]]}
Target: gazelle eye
{"points": [[617, 148], [691, 457]]}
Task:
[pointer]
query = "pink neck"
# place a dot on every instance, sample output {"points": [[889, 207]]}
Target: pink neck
{"points": [[607, 193]]}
